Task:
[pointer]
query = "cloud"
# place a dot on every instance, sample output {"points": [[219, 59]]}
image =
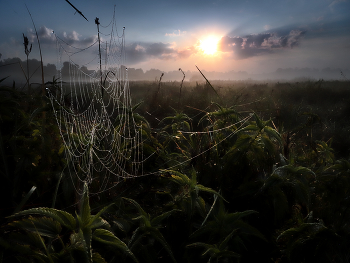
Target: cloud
{"points": [[157, 49], [138, 52], [47, 37], [187, 52], [336, 2], [74, 36], [254, 45], [176, 33]]}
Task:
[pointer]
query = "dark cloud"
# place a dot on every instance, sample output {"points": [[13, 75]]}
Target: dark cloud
{"points": [[158, 49], [138, 52], [294, 37], [135, 53], [253, 45], [257, 40]]}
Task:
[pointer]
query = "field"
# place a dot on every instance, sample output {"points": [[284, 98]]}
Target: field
{"points": [[239, 171]]}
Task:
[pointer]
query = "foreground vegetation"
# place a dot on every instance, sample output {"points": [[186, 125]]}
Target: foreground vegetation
{"points": [[242, 172]]}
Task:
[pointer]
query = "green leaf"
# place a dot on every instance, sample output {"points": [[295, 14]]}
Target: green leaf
{"points": [[136, 237], [223, 244], [36, 132], [145, 216], [85, 212], [242, 143], [177, 175], [216, 251], [272, 133], [136, 106], [158, 219], [24, 242], [209, 190], [201, 206], [96, 220], [44, 226], [272, 181], [97, 258], [248, 229], [239, 215], [87, 235], [60, 151], [250, 127], [77, 244], [122, 224], [299, 172], [200, 244], [106, 237], [259, 122], [177, 179], [62, 217], [85, 239], [187, 125]]}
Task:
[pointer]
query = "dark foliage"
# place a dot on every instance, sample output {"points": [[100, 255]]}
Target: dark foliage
{"points": [[262, 175]]}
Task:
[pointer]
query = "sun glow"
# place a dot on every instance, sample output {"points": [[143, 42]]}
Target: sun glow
{"points": [[209, 45]]}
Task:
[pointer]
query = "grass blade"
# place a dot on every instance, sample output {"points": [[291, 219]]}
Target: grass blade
{"points": [[25, 199], [209, 83]]}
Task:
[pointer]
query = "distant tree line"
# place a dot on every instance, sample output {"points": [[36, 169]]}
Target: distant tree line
{"points": [[16, 70]]}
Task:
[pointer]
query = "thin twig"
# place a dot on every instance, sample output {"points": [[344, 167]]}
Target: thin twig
{"points": [[77, 10]]}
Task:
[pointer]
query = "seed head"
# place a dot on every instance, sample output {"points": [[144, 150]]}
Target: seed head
{"points": [[26, 43]]}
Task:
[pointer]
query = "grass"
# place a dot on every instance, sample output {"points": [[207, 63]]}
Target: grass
{"points": [[288, 104]]}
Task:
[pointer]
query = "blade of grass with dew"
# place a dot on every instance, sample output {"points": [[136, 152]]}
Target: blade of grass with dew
{"points": [[209, 83]]}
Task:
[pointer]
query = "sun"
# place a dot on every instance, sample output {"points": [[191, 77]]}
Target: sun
{"points": [[209, 45]]}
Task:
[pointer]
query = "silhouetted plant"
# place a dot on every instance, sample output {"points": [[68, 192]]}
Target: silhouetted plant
{"points": [[27, 52]]}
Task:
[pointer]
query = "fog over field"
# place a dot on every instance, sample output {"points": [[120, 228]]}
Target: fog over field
{"points": [[14, 69]]}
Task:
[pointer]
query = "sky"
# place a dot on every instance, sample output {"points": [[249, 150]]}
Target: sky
{"points": [[257, 36]]}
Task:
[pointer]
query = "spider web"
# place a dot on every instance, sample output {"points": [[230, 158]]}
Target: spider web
{"points": [[93, 110], [102, 141]]}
